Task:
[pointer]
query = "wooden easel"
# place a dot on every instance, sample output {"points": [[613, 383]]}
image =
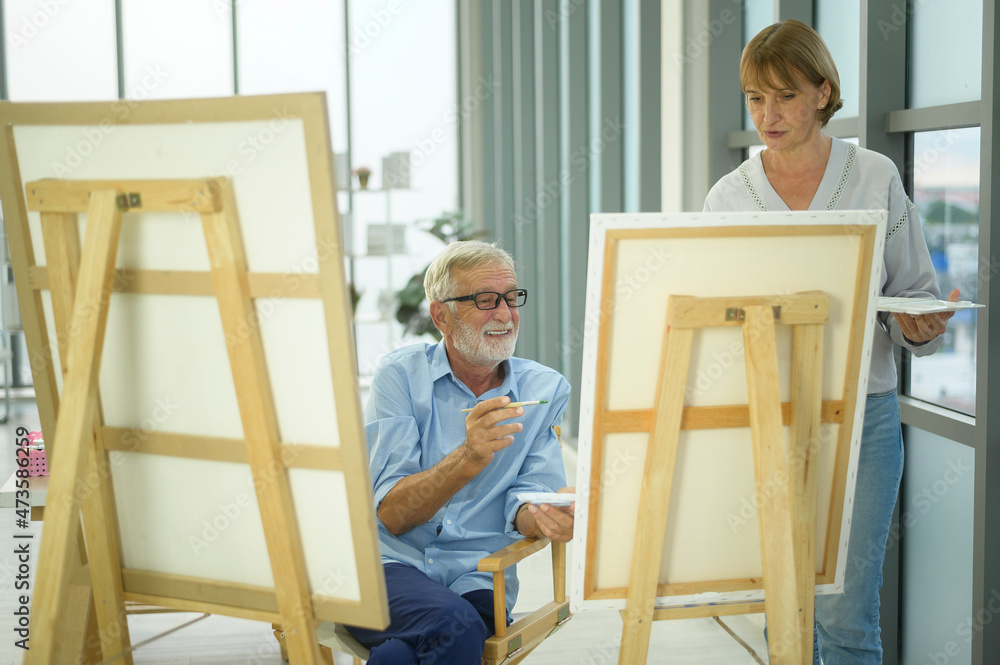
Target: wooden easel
{"points": [[81, 282], [787, 519]]}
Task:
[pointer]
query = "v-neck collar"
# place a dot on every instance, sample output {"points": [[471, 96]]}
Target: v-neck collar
{"points": [[838, 170]]}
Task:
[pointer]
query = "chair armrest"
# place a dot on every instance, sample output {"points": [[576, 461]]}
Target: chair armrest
{"points": [[508, 556], [527, 632]]}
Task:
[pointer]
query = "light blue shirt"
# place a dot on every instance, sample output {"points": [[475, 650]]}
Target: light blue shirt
{"points": [[414, 419]]}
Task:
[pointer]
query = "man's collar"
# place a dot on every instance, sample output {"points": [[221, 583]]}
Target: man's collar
{"points": [[509, 385], [439, 362], [441, 367]]}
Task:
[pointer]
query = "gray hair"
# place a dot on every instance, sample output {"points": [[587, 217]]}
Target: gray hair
{"points": [[439, 284]]}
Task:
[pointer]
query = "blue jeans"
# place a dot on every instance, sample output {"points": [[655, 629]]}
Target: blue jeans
{"points": [[847, 625], [429, 623]]}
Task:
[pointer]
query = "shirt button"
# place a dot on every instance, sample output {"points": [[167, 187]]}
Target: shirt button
{"points": [[449, 521], [430, 560]]}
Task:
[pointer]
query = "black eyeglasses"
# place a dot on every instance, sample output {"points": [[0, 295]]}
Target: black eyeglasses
{"points": [[491, 299]]}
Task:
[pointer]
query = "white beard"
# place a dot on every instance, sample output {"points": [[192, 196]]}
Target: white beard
{"points": [[481, 349]]}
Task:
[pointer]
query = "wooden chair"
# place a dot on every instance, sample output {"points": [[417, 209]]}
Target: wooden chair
{"points": [[509, 644]]}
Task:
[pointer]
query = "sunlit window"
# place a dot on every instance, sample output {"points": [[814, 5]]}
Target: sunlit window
{"points": [[935, 80], [756, 17], [179, 49], [404, 125], [295, 47], [404, 110], [839, 24], [60, 51], [946, 192]]}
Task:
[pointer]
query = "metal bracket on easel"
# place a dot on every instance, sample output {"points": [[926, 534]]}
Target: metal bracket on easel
{"points": [[739, 314], [127, 201]]}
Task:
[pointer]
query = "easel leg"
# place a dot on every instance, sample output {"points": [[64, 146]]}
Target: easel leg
{"points": [[783, 549], [657, 483], [75, 424], [92, 653], [81, 621], [805, 427], [73, 639], [60, 234], [257, 412]]}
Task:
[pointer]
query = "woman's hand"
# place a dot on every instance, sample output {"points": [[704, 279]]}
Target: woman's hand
{"points": [[925, 327]]}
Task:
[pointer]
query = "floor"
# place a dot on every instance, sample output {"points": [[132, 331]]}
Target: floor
{"points": [[589, 638]]}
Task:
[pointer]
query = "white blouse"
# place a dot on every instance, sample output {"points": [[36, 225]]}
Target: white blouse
{"points": [[855, 179]]}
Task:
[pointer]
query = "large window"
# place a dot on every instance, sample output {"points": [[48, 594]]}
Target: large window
{"points": [[838, 24], [946, 191], [177, 50], [756, 17], [60, 51], [937, 28], [405, 131], [295, 47], [945, 163], [388, 70]]}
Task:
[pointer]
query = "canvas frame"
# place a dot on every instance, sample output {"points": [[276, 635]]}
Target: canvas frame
{"points": [[314, 494], [608, 284]]}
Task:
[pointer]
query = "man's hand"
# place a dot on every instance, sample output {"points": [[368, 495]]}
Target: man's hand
{"points": [[416, 498], [925, 327], [486, 432], [555, 522]]}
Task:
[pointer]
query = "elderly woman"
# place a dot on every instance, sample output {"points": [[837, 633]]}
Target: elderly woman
{"points": [[792, 90]]}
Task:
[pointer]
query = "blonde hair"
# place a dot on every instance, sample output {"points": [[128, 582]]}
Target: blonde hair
{"points": [[771, 59], [439, 284]]}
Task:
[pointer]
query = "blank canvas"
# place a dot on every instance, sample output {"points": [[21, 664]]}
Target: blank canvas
{"points": [[711, 552], [186, 506]]}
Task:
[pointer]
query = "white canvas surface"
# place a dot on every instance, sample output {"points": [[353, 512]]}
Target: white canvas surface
{"points": [[712, 530], [165, 365]]}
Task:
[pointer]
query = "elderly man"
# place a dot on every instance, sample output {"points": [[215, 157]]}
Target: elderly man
{"points": [[446, 482]]}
